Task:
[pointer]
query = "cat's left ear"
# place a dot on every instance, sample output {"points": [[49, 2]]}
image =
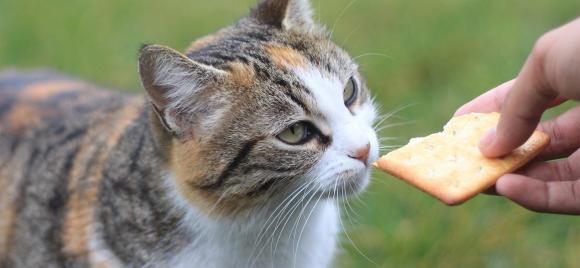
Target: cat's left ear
{"points": [[178, 88], [284, 14]]}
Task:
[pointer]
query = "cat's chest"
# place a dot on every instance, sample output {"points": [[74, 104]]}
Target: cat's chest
{"points": [[306, 239]]}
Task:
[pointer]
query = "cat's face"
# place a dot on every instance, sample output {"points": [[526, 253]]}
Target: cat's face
{"points": [[264, 108]]}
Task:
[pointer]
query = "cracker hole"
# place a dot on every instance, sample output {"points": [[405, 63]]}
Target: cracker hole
{"points": [[453, 158], [411, 159], [431, 172]]}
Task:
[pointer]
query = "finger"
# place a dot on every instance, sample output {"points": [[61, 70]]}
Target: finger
{"points": [[492, 100], [489, 101], [564, 132], [522, 109], [561, 170], [561, 197]]}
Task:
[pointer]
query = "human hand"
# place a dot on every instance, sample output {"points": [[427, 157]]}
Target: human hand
{"points": [[550, 76]]}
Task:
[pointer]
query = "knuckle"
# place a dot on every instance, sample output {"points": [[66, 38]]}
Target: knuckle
{"points": [[555, 131], [564, 170], [542, 47]]}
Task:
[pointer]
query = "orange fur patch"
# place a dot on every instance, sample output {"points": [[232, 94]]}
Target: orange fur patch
{"points": [[81, 204], [8, 214], [242, 74], [44, 90], [285, 57], [23, 115], [201, 42], [9, 183], [187, 173]]}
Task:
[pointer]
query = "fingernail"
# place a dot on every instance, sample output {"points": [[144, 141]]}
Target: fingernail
{"points": [[487, 139]]}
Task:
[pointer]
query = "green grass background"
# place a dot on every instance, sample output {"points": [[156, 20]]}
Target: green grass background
{"points": [[427, 56]]}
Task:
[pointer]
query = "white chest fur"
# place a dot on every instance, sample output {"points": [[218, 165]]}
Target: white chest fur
{"points": [[306, 238]]}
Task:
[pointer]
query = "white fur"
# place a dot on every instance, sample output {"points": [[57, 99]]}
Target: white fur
{"points": [[349, 132], [252, 242]]}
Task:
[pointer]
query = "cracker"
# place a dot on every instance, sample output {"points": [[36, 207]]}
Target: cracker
{"points": [[449, 166]]}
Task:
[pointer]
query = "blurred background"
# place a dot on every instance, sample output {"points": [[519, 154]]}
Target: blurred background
{"points": [[422, 59]]}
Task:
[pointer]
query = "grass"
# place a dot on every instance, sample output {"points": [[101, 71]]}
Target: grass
{"points": [[427, 56]]}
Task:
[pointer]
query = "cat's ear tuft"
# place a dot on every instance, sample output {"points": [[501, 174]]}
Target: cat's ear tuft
{"points": [[175, 84], [284, 14]]}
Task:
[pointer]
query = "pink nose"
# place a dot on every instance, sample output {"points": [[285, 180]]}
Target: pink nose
{"points": [[361, 154]]}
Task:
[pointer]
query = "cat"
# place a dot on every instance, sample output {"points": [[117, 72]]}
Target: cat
{"points": [[234, 157]]}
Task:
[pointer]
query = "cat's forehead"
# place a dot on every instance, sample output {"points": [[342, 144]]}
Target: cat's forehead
{"points": [[268, 50]]}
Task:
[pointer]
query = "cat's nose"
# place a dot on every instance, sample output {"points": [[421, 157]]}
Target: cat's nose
{"points": [[361, 154]]}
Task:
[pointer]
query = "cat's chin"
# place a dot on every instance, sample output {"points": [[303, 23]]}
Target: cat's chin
{"points": [[346, 183]]}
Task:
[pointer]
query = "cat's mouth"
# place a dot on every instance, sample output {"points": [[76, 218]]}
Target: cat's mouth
{"points": [[347, 183]]}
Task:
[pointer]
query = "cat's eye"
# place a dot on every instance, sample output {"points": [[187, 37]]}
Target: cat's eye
{"points": [[298, 133], [350, 92]]}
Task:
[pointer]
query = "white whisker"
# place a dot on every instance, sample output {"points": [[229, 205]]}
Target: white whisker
{"points": [[344, 10], [372, 54], [353, 244]]}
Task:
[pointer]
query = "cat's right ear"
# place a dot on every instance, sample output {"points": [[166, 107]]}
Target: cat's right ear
{"points": [[176, 85], [284, 14]]}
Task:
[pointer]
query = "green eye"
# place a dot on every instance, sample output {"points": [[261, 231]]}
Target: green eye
{"points": [[350, 92], [296, 134]]}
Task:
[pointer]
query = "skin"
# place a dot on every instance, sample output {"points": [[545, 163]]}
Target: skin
{"points": [[549, 77]]}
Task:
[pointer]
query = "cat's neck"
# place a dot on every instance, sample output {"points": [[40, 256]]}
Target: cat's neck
{"points": [[281, 234]]}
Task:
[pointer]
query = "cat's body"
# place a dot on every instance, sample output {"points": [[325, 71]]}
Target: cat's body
{"points": [[234, 159], [91, 145]]}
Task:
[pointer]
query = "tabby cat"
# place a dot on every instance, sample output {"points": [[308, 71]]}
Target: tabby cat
{"points": [[234, 157]]}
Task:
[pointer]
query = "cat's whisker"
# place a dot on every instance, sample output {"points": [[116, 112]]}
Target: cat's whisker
{"points": [[393, 113], [379, 125], [285, 217], [288, 216], [373, 54], [291, 196], [270, 221], [349, 35], [306, 204], [389, 138], [304, 226], [360, 201], [390, 146], [394, 125], [388, 149], [346, 208], [354, 244], [381, 182], [346, 199], [288, 202], [342, 13], [299, 202], [216, 203]]}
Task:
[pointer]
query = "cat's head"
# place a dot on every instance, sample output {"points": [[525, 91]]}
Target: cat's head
{"points": [[261, 109]]}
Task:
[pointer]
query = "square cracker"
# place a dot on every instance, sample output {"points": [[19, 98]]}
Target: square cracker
{"points": [[449, 166]]}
